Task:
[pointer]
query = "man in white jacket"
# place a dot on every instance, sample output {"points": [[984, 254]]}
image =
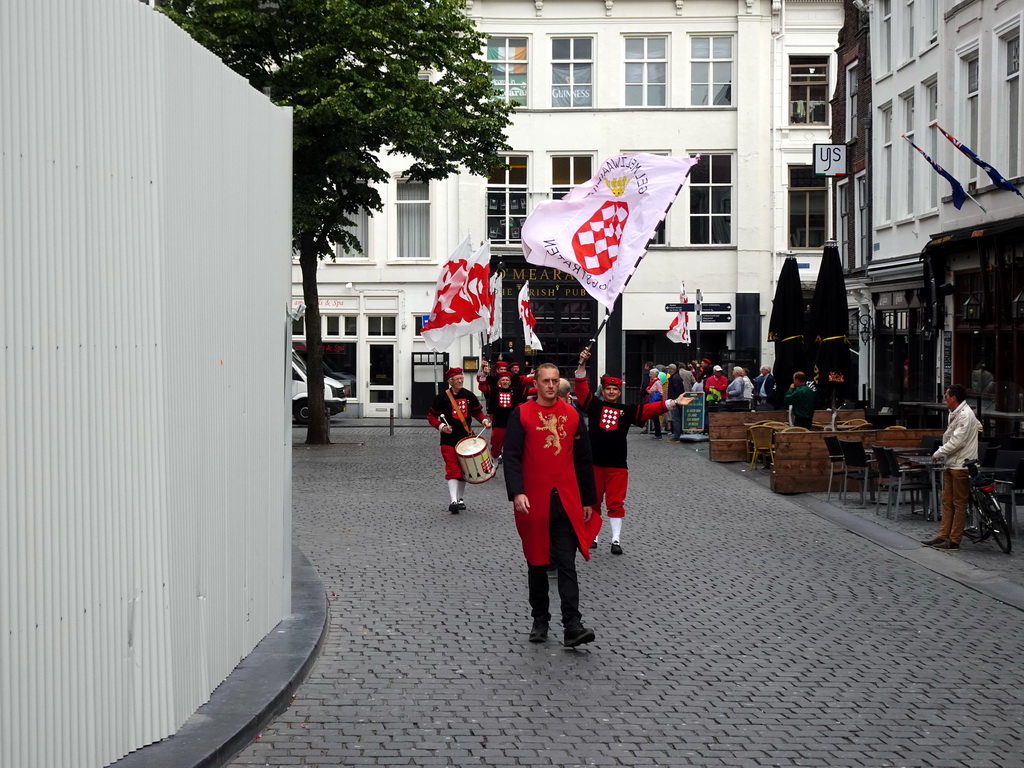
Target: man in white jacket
{"points": [[959, 446]]}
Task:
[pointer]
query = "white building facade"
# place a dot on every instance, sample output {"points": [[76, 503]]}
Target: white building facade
{"points": [[743, 83]]}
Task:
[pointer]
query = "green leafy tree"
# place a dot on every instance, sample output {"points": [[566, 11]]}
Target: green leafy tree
{"points": [[365, 79]]}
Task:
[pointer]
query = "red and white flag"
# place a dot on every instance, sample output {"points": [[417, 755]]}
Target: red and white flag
{"points": [[529, 321], [494, 306], [461, 304], [599, 231], [679, 330]]}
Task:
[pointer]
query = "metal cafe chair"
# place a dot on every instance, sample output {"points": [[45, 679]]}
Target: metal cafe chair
{"points": [[835, 456], [858, 465], [1007, 492], [904, 480]]}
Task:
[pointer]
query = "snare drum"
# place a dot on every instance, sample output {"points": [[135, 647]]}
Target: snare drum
{"points": [[474, 459]]}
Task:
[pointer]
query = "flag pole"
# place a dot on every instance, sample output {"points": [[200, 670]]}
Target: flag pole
{"points": [[921, 152]]}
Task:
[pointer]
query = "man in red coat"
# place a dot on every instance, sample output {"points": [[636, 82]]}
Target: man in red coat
{"points": [[550, 482], [451, 414]]}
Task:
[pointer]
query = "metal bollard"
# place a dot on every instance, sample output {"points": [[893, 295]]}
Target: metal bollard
{"points": [[391, 421]]}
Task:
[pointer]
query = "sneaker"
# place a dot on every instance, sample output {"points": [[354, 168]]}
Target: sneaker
{"points": [[934, 542], [947, 545], [462, 504], [539, 632], [675, 440], [454, 507], [616, 549], [577, 634]]}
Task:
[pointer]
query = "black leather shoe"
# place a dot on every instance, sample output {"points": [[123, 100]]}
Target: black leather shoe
{"points": [[616, 549], [539, 633], [454, 507], [593, 544], [577, 634], [462, 504], [934, 542]]}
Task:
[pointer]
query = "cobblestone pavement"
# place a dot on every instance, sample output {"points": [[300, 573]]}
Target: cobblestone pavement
{"points": [[739, 628]]}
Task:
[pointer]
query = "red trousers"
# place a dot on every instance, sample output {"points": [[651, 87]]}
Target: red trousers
{"points": [[452, 470], [497, 441], [611, 485]]}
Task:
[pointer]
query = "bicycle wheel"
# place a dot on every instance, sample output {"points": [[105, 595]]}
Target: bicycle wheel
{"points": [[996, 523], [978, 528]]}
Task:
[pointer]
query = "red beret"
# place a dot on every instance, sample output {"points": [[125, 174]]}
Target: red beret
{"points": [[452, 372], [611, 381]]}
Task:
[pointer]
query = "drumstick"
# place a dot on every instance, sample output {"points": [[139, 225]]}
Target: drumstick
{"points": [[444, 420]]}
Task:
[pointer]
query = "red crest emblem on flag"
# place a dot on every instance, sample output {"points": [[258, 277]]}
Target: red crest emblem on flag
{"points": [[609, 419], [596, 243], [504, 399]]}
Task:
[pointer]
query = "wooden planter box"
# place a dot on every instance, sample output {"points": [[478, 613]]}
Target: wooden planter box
{"points": [[727, 430]]}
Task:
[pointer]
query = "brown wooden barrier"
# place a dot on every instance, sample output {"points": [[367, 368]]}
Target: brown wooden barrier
{"points": [[727, 430], [801, 458]]}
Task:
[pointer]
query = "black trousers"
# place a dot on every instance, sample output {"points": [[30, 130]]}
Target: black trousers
{"points": [[564, 545], [803, 421]]}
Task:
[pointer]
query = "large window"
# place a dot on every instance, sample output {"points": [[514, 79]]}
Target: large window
{"points": [[413, 209], [843, 211], [360, 230], [885, 183], [572, 72], [884, 37], [646, 71], [931, 91], [910, 159], [711, 71], [862, 252], [506, 201], [971, 94], [569, 171], [852, 101], [509, 64], [1010, 103], [808, 90], [808, 201], [711, 200], [909, 42]]}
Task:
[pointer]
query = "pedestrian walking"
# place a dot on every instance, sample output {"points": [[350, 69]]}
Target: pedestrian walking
{"points": [[609, 422], [451, 414], [549, 478], [959, 446]]}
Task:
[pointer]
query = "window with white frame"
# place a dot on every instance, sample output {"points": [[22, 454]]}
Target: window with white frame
{"points": [[506, 200], [908, 30], [884, 36], [931, 93], [1010, 103], [568, 171], [412, 204], [852, 93], [909, 159], [931, 16], [572, 72], [843, 210], [711, 200], [646, 71], [360, 230], [509, 68], [340, 326], [971, 74], [711, 71], [808, 204], [886, 181], [380, 325], [808, 90], [862, 254]]}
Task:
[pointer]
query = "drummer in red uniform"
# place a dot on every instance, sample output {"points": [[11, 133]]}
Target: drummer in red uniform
{"points": [[610, 420], [451, 414]]}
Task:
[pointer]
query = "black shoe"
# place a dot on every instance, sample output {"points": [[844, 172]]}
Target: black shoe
{"points": [[577, 634], [539, 633], [947, 545], [454, 507], [462, 504], [616, 549], [657, 437], [593, 544], [933, 542]]}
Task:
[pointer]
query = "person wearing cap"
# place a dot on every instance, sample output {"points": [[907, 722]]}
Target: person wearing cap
{"points": [[717, 381], [609, 422], [501, 399], [451, 414]]}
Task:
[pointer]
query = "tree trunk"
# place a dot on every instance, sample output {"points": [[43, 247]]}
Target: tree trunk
{"points": [[319, 428]]}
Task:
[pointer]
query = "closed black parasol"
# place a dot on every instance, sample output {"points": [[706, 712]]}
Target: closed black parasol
{"points": [[786, 328], [827, 328]]}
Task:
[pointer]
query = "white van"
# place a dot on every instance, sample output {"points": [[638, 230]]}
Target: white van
{"points": [[334, 393]]}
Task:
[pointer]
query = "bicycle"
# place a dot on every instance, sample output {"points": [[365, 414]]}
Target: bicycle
{"points": [[984, 511]]}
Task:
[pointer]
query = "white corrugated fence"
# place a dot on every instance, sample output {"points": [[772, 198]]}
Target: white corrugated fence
{"points": [[145, 524]]}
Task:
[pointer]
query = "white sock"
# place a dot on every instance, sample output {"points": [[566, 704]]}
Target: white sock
{"points": [[453, 489], [616, 528], [462, 489]]}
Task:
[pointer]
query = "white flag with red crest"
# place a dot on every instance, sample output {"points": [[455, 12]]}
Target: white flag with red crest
{"points": [[529, 321], [463, 297], [494, 306], [679, 330], [600, 230]]}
